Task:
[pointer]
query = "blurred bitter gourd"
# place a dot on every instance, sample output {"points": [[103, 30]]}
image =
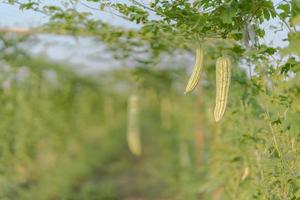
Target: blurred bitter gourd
{"points": [[194, 79], [133, 131], [223, 75]]}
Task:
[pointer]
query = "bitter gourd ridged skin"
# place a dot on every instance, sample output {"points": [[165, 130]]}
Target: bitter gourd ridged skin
{"points": [[195, 77], [223, 76], [133, 131]]}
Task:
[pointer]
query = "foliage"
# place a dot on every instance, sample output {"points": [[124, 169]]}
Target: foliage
{"points": [[251, 154]]}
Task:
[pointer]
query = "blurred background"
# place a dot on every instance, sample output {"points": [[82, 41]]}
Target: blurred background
{"points": [[77, 122], [64, 119]]}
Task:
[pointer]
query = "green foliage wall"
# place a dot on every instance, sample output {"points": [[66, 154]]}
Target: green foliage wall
{"points": [[66, 140]]}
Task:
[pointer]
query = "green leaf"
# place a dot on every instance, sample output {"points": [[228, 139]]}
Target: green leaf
{"points": [[227, 15], [296, 20], [284, 7]]}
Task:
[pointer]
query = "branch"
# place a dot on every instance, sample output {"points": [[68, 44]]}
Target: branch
{"points": [[34, 31], [16, 30]]}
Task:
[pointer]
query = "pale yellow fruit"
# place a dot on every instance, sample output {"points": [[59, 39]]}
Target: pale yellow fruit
{"points": [[195, 77], [223, 76], [133, 130], [246, 173]]}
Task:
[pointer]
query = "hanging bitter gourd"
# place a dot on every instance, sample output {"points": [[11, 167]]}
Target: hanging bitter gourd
{"points": [[133, 131], [223, 76], [194, 79]]}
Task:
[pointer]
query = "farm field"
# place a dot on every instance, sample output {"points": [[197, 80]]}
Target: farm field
{"points": [[149, 100]]}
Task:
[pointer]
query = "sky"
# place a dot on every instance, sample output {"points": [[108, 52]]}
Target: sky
{"points": [[84, 52], [12, 16], [61, 48]]}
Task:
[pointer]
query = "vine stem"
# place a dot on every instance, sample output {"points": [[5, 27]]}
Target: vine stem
{"points": [[275, 140], [273, 136]]}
